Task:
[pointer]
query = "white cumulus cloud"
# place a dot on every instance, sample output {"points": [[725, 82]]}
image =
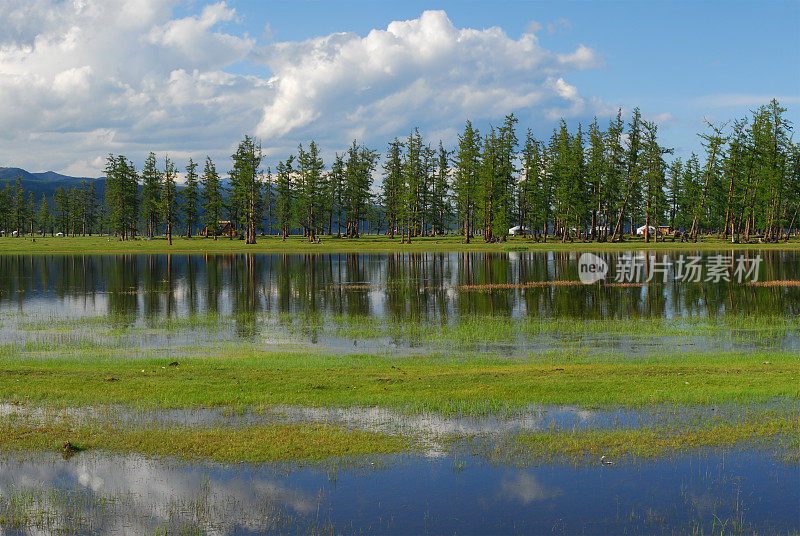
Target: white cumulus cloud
{"points": [[423, 70], [83, 78]]}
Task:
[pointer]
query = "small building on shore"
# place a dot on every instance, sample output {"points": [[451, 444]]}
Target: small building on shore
{"points": [[224, 228]]}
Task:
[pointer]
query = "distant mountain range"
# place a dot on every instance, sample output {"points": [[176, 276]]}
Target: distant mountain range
{"points": [[46, 182]]}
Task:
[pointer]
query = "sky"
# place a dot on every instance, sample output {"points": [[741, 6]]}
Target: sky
{"points": [[80, 78]]}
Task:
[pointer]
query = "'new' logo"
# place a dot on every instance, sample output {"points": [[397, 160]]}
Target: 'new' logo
{"points": [[591, 268]]}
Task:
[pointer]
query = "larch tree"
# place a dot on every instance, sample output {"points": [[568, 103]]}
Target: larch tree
{"points": [[43, 217], [311, 189], [191, 198], [654, 178], [413, 173], [169, 198], [466, 177], [675, 174], [336, 195], [246, 185], [61, 203], [269, 201], [596, 171], [212, 202], [151, 194], [713, 143], [441, 211], [359, 165], [631, 174], [284, 195], [392, 186]]}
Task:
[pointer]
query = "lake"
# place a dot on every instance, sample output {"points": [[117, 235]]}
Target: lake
{"points": [[282, 299], [515, 304], [736, 491]]}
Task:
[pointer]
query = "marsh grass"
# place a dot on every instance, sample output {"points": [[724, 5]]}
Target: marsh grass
{"points": [[773, 434], [253, 444], [771, 430], [460, 383], [470, 329]]}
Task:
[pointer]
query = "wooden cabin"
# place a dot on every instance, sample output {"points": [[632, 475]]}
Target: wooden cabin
{"points": [[225, 229]]}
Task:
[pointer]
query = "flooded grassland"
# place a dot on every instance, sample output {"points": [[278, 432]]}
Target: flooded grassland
{"points": [[394, 393]]}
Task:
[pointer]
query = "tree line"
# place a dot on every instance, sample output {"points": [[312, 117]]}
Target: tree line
{"points": [[592, 184]]}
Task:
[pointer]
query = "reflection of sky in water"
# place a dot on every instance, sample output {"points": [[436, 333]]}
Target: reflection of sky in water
{"points": [[430, 425], [153, 493], [406, 495]]}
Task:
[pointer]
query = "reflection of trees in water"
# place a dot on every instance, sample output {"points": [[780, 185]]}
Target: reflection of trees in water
{"points": [[398, 285], [244, 291], [213, 278], [191, 294], [151, 287], [122, 285]]}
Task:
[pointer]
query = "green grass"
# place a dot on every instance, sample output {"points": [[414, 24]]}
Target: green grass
{"points": [[447, 384], [372, 243], [775, 431], [254, 444]]}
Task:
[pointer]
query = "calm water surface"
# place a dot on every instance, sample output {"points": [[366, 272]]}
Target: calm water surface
{"points": [[704, 492], [257, 292], [402, 286], [94, 493]]}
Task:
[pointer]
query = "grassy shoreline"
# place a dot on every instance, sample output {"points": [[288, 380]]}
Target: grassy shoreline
{"points": [[466, 385], [315, 442], [66, 369], [463, 385], [369, 244], [253, 444]]}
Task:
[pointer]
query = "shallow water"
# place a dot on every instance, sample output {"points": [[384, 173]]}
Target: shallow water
{"points": [[704, 491], [134, 305], [417, 285], [258, 299], [430, 425]]}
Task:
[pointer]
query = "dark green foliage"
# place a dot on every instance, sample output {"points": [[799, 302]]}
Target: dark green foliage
{"points": [[284, 194], [311, 190], [392, 194], [212, 201], [151, 194], [466, 178], [191, 199], [121, 197], [245, 191], [359, 165], [441, 209], [169, 198], [336, 195]]}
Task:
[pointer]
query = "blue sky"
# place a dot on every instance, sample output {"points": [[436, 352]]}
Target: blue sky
{"points": [[666, 57], [86, 78]]}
